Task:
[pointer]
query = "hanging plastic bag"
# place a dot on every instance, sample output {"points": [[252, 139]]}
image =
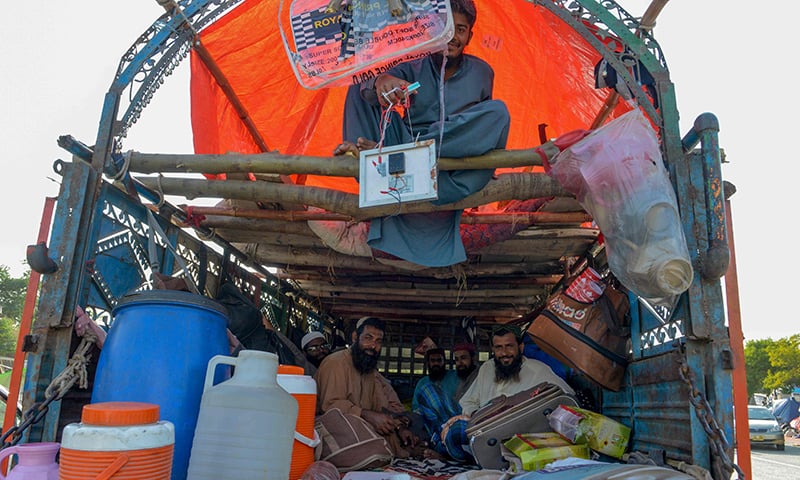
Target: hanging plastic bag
{"points": [[617, 174], [344, 42]]}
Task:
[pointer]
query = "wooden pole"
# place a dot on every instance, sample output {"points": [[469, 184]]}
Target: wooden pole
{"points": [[369, 308], [485, 293], [406, 281], [340, 166], [331, 262], [472, 218], [648, 21], [433, 299], [256, 224], [507, 186]]}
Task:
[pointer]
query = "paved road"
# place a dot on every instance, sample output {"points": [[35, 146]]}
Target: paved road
{"points": [[771, 464]]}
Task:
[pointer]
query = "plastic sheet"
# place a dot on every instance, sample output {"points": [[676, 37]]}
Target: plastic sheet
{"points": [[342, 42], [543, 72], [618, 176]]}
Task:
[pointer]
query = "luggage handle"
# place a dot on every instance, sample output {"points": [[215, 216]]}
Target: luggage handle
{"points": [[310, 442]]}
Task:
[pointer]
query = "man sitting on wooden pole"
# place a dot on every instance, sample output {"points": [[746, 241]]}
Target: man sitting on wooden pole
{"points": [[470, 124]]}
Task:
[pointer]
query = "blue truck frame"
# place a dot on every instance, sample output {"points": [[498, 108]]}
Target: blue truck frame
{"points": [[678, 395]]}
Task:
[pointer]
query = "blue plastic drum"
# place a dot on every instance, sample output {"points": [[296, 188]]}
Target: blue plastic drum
{"points": [[157, 351]]}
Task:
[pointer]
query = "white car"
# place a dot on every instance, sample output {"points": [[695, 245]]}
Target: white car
{"points": [[764, 428]]}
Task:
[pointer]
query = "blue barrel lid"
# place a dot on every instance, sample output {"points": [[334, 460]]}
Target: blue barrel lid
{"points": [[171, 296]]}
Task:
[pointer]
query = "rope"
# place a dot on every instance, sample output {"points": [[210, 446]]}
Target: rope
{"points": [[160, 192], [156, 228], [75, 371], [461, 282], [126, 163]]}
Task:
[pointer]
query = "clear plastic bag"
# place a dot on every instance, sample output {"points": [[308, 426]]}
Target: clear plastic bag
{"points": [[617, 174], [344, 42]]}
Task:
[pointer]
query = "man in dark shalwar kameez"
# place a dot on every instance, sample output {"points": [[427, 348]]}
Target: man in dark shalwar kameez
{"points": [[473, 124]]}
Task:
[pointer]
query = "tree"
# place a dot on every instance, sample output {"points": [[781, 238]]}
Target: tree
{"points": [[12, 293], [784, 356], [9, 331], [756, 359], [12, 300]]}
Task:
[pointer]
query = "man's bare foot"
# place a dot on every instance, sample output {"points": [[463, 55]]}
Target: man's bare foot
{"points": [[432, 454]]}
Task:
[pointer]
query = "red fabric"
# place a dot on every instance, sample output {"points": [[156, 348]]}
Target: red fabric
{"points": [[544, 71]]}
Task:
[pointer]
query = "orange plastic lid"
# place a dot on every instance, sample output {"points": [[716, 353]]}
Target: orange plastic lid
{"points": [[115, 414], [290, 370]]}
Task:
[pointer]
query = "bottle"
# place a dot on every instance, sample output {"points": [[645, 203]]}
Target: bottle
{"points": [[246, 425], [35, 461], [321, 470]]}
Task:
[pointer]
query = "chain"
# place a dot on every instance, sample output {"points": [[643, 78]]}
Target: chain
{"points": [[705, 414], [74, 372]]}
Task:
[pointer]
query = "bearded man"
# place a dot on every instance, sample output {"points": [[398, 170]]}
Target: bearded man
{"points": [[316, 348], [349, 380], [466, 367], [434, 395], [508, 373]]}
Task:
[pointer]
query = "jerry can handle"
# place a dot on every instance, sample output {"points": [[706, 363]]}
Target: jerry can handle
{"points": [[212, 368], [5, 453]]}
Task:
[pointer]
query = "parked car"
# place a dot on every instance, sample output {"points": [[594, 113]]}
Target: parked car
{"points": [[4, 402], [764, 428]]}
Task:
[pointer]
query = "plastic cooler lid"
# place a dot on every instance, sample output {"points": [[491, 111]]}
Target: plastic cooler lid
{"points": [[115, 414], [290, 370], [292, 379]]}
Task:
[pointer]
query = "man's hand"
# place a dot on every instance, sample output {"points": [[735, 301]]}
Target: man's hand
{"points": [[350, 148], [84, 324], [407, 438], [390, 89], [384, 424], [346, 148]]}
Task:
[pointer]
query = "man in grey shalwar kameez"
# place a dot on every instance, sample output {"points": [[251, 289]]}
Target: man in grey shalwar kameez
{"points": [[473, 124]]}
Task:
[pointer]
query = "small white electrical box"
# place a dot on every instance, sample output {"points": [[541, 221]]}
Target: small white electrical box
{"points": [[397, 174]]}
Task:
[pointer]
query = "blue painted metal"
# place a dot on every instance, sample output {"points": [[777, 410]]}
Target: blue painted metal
{"points": [[118, 263], [59, 291], [715, 259], [693, 332]]}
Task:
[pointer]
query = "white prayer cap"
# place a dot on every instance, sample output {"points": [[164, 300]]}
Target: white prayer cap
{"points": [[308, 337]]}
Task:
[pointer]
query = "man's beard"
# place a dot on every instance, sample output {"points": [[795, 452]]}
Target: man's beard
{"points": [[363, 361], [464, 373], [510, 372], [436, 372], [315, 360]]}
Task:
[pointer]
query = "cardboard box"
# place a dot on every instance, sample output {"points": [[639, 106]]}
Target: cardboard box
{"points": [[599, 432]]}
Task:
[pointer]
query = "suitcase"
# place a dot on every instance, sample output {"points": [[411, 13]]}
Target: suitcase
{"points": [[504, 417]]}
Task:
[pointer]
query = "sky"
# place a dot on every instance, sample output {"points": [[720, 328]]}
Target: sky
{"points": [[729, 58]]}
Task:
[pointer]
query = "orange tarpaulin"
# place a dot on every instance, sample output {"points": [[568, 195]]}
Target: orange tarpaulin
{"points": [[544, 71]]}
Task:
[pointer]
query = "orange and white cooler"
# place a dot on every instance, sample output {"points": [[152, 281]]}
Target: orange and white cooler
{"points": [[118, 441], [304, 389]]}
